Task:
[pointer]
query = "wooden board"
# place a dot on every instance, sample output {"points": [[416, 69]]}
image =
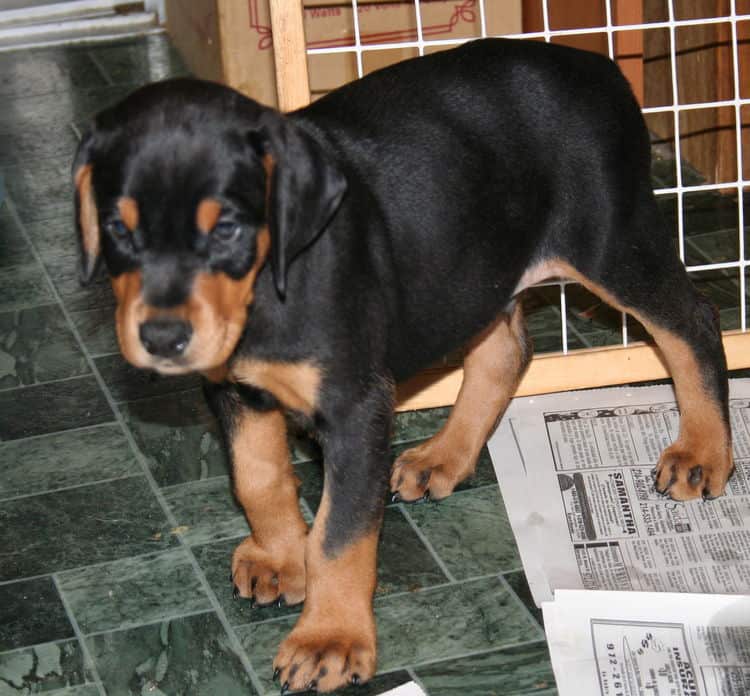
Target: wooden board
{"points": [[582, 369]]}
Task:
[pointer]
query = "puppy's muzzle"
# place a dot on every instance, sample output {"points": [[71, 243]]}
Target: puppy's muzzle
{"points": [[165, 338]]}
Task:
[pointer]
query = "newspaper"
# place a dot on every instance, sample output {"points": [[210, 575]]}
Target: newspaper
{"points": [[409, 689], [575, 471], [649, 594], [607, 644]]}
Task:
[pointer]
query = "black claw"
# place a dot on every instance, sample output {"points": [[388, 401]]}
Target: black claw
{"points": [[276, 673], [284, 688], [235, 592], [706, 495], [231, 577], [279, 603], [654, 472], [312, 686], [253, 603], [425, 498], [396, 497], [355, 679]]}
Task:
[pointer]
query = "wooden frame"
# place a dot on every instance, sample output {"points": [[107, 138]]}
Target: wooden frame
{"points": [[290, 54], [579, 369]]}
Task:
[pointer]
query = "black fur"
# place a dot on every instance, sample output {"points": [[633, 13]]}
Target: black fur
{"points": [[404, 209]]}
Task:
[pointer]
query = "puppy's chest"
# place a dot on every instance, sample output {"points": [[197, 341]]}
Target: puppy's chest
{"points": [[296, 385]]}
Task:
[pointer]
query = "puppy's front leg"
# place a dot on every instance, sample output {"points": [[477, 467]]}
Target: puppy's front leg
{"points": [[268, 565], [334, 642]]}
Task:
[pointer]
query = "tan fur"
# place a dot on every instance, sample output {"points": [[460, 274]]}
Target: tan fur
{"points": [[127, 289], [336, 635], [128, 209], [207, 214], [266, 487], [216, 374], [492, 369], [704, 438], [295, 385], [269, 164], [216, 310], [88, 217]]}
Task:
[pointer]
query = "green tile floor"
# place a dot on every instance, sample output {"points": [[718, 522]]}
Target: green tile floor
{"points": [[116, 517]]}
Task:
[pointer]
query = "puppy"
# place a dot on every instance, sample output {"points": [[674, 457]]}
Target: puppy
{"points": [[307, 262]]}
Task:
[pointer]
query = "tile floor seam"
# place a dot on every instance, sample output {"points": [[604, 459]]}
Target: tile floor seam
{"points": [[383, 598], [212, 479], [46, 383], [87, 567], [108, 354], [216, 540], [57, 641], [52, 491], [23, 306], [140, 399], [234, 641], [38, 436], [427, 543], [100, 68], [410, 671], [153, 622], [477, 653], [42, 306], [514, 570], [521, 603], [88, 658], [26, 578]]}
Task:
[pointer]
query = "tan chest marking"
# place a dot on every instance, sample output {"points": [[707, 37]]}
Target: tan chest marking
{"points": [[296, 385]]}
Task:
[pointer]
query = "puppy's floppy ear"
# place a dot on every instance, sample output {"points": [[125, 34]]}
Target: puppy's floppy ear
{"points": [[87, 217], [306, 188]]}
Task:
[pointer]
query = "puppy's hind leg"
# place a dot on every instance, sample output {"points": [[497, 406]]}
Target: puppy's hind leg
{"points": [[639, 273], [492, 369]]}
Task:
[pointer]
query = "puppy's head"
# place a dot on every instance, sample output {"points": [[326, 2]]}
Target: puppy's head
{"points": [[186, 189]]}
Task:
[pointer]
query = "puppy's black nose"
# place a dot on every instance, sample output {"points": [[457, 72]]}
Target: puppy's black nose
{"points": [[165, 338]]}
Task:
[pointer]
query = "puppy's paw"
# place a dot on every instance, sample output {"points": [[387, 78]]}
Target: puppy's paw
{"points": [[424, 472], [325, 658], [685, 473], [266, 577]]}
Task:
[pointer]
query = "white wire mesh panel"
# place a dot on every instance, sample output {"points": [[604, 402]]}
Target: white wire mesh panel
{"points": [[689, 64]]}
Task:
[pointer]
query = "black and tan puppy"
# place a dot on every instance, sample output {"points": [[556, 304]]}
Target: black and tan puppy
{"points": [[308, 262]]}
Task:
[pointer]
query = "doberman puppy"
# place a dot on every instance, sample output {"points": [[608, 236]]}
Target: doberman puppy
{"points": [[307, 262]]}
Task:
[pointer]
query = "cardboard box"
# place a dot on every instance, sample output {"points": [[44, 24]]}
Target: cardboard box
{"points": [[231, 40]]}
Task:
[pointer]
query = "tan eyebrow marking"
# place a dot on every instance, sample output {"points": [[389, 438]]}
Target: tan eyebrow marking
{"points": [[207, 214], [129, 212]]}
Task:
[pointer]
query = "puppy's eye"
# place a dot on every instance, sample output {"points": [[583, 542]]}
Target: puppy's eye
{"points": [[227, 231], [117, 228]]}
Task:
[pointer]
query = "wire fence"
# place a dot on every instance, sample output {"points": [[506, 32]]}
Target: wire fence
{"points": [[670, 49]]}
